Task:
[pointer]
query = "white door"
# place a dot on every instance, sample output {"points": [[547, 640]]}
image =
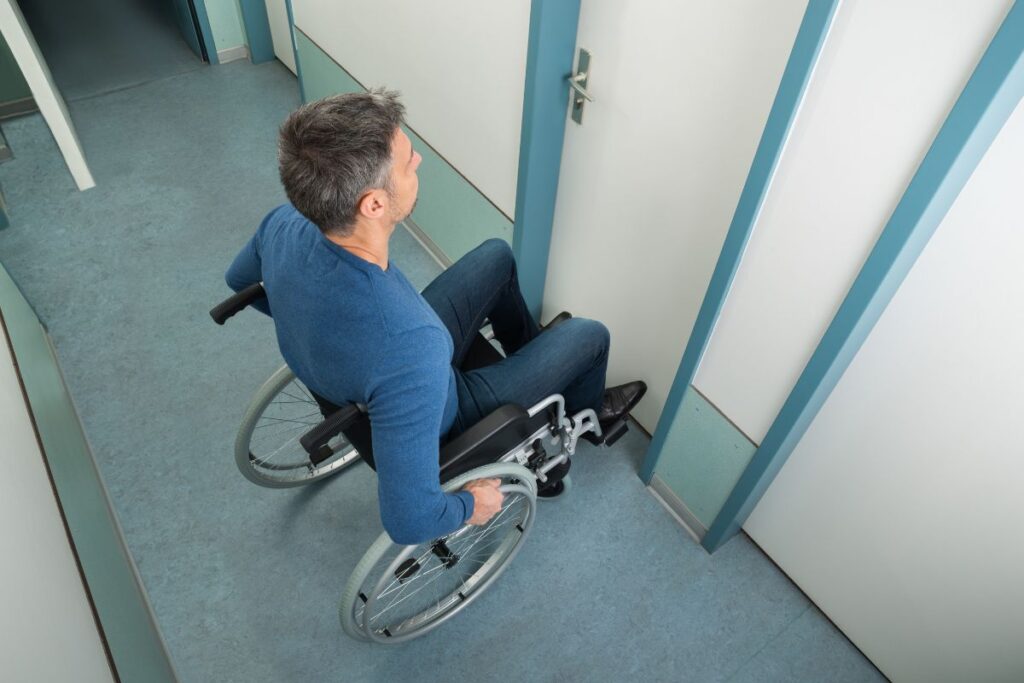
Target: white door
{"points": [[650, 180], [281, 32]]}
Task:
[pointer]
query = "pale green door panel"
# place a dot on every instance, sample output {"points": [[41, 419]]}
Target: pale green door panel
{"points": [[708, 455]]}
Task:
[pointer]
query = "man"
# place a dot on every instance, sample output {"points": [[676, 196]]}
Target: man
{"points": [[356, 331]]}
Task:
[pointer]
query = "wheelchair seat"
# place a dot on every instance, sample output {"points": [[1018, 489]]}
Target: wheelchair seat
{"points": [[483, 443]]}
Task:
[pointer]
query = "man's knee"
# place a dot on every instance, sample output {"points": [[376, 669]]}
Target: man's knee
{"points": [[496, 250], [590, 336]]}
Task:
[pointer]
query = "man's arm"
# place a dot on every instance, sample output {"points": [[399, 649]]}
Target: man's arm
{"points": [[247, 268], [406, 406]]}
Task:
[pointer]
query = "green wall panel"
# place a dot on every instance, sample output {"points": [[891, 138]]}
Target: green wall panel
{"points": [[703, 457], [132, 636], [226, 23], [453, 213]]}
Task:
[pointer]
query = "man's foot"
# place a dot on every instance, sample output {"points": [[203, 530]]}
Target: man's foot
{"points": [[560, 318], [617, 403]]}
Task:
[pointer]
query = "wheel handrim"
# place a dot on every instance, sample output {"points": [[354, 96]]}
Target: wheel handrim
{"points": [[484, 552]]}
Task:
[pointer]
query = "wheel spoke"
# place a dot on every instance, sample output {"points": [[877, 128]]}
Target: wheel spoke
{"points": [[305, 393], [400, 599], [466, 550], [300, 420], [305, 398], [269, 452], [474, 550], [419, 560]]}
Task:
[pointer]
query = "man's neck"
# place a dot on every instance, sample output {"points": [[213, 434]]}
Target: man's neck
{"points": [[367, 243]]}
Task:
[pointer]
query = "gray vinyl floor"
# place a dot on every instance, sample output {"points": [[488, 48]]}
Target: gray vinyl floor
{"points": [[245, 581]]}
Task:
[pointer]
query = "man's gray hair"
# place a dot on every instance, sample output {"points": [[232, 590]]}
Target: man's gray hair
{"points": [[330, 152]]}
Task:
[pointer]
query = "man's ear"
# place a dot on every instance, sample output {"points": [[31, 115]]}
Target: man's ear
{"points": [[373, 204]]}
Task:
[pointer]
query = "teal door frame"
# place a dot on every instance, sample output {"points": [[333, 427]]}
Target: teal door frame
{"points": [[184, 17], [549, 61], [257, 30], [993, 92], [810, 38], [295, 49], [204, 30]]}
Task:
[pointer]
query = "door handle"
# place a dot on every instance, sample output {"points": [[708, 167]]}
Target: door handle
{"points": [[578, 84]]}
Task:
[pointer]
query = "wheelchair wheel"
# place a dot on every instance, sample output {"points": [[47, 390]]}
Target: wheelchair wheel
{"points": [[267, 449], [400, 592]]}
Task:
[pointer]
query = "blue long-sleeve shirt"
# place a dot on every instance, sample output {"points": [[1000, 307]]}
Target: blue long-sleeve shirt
{"points": [[355, 333]]}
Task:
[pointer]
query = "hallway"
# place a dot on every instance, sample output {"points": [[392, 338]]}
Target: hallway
{"points": [[99, 46], [245, 581]]}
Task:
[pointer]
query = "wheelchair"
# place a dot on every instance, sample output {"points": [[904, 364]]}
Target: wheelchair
{"points": [[290, 437]]}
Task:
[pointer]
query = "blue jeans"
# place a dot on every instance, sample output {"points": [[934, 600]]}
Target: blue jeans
{"points": [[570, 359]]}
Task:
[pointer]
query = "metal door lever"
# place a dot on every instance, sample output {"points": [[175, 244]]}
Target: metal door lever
{"points": [[575, 81], [578, 83]]}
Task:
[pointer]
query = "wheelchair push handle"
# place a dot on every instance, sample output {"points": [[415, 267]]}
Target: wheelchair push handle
{"points": [[235, 303]]}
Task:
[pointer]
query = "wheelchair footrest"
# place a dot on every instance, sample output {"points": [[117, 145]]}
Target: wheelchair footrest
{"points": [[615, 432]]}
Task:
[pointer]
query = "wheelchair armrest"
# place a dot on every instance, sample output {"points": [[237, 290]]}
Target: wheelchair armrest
{"points": [[315, 440], [238, 301], [488, 440]]}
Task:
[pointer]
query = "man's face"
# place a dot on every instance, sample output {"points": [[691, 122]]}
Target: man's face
{"points": [[404, 183]]}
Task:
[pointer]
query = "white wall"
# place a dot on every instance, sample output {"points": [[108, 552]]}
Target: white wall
{"points": [[48, 629], [650, 181], [900, 511], [887, 76], [460, 65]]}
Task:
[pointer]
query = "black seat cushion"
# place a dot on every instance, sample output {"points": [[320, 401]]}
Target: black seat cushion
{"points": [[486, 441]]}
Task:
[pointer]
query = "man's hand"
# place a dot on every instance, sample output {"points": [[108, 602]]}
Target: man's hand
{"points": [[486, 499]]}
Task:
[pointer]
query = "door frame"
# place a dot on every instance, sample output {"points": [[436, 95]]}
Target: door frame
{"points": [[257, 30], [549, 62], [810, 38], [204, 31]]}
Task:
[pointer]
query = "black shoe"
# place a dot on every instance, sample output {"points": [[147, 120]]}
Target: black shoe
{"points": [[560, 318], [618, 401]]}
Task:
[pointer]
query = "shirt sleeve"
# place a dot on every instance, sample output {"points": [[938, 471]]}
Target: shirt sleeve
{"points": [[406, 406], [247, 268]]}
